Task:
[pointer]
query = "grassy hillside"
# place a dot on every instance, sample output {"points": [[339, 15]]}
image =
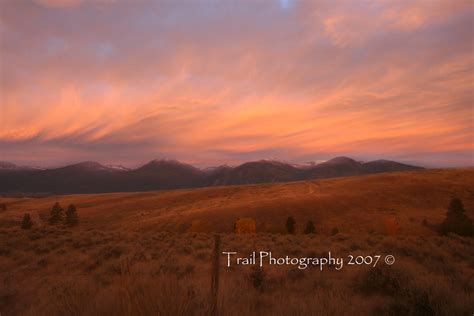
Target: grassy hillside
{"points": [[133, 254], [354, 204]]}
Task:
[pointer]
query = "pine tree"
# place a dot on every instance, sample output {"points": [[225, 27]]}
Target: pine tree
{"points": [[456, 206], [26, 223], [310, 229], [71, 215], [56, 214], [290, 225], [456, 221]]}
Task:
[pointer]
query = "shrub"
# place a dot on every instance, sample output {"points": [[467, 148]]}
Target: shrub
{"points": [[382, 279], [455, 206], [310, 229], [245, 225], [257, 277], [201, 255], [295, 274], [334, 231], [456, 221], [390, 226], [26, 223], [201, 226], [290, 225], [413, 301], [56, 214], [71, 215], [110, 252]]}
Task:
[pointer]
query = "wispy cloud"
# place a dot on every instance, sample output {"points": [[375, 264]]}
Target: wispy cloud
{"points": [[222, 82]]}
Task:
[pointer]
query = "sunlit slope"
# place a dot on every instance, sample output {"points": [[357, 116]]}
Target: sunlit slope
{"points": [[359, 204]]}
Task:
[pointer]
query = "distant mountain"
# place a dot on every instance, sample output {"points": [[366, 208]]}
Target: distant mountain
{"points": [[344, 166], [386, 166], [217, 176], [336, 167], [6, 166], [86, 166], [84, 177], [92, 177], [263, 171], [118, 167], [164, 174]]}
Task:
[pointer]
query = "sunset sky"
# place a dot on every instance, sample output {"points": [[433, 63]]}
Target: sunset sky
{"points": [[215, 82]]}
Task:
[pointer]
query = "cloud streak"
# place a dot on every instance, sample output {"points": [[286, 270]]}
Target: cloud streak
{"points": [[222, 82]]}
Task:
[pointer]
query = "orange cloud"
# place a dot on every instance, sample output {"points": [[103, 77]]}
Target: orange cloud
{"points": [[216, 84], [68, 3]]}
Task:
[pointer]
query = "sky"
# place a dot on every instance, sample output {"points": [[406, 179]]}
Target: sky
{"points": [[224, 82]]}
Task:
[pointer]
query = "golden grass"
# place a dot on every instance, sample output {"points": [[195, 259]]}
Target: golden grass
{"points": [[132, 254], [58, 272], [353, 204]]}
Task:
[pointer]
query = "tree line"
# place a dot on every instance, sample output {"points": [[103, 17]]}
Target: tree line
{"points": [[456, 220], [57, 216]]}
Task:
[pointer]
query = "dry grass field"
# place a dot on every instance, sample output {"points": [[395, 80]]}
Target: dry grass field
{"points": [[143, 253]]}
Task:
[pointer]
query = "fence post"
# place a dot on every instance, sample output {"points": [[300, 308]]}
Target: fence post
{"points": [[215, 274]]}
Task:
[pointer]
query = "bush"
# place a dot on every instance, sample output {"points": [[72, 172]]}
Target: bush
{"points": [[257, 277], [26, 223], [413, 302], [390, 226], [201, 226], [290, 225], [334, 231], [71, 216], [456, 221], [408, 298], [455, 206], [56, 215], [245, 225], [310, 229], [382, 279]]}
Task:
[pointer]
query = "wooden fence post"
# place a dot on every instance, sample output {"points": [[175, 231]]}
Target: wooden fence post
{"points": [[215, 274]]}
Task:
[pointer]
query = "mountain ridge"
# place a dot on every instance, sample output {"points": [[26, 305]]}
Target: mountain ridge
{"points": [[164, 174]]}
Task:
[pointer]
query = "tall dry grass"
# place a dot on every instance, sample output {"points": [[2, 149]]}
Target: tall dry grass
{"points": [[90, 272]]}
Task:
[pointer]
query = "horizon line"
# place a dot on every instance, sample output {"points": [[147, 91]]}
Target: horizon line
{"points": [[197, 166]]}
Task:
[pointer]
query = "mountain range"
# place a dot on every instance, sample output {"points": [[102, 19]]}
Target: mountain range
{"points": [[92, 177]]}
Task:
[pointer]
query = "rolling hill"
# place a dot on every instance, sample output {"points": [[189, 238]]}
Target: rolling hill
{"points": [[352, 204], [142, 249]]}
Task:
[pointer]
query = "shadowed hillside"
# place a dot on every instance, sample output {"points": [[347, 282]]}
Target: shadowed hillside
{"points": [[92, 177]]}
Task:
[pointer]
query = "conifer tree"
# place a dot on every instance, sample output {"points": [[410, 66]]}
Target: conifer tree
{"points": [[290, 225], [26, 223], [456, 221], [56, 215], [310, 229], [71, 215]]}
